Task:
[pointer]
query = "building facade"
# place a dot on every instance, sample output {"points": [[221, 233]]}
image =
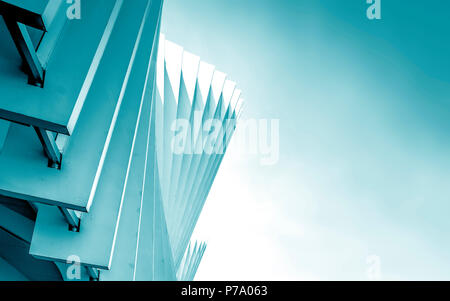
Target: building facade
{"points": [[110, 140]]}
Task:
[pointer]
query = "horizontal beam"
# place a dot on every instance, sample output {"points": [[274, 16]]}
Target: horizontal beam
{"points": [[27, 104]]}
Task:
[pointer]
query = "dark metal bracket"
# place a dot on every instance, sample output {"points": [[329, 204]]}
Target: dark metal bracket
{"points": [[94, 274], [48, 141], [72, 219], [24, 44]]}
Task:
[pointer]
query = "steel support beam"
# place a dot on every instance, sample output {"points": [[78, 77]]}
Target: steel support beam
{"points": [[71, 218], [48, 141], [24, 45], [93, 273]]}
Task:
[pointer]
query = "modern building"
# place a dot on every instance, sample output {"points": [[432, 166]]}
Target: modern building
{"points": [[110, 140]]}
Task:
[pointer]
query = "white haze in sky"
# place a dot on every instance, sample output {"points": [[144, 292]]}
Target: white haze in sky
{"points": [[360, 190]]}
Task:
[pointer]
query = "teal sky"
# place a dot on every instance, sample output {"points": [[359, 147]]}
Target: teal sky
{"points": [[364, 111]]}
